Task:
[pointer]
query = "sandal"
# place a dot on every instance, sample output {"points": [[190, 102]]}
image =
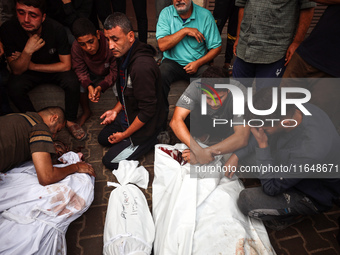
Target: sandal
{"points": [[76, 131]]}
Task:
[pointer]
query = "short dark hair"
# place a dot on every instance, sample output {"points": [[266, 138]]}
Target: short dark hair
{"points": [[40, 4], [118, 19], [215, 72], [215, 75], [83, 26], [263, 100], [51, 110]]}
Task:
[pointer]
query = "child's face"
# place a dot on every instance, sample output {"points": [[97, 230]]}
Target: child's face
{"points": [[89, 43]]}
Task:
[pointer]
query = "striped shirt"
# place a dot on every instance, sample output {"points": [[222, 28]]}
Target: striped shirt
{"points": [[20, 136]]}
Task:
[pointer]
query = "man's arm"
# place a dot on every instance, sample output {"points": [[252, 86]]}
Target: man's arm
{"points": [[47, 174], [240, 18], [1, 49], [192, 67], [110, 115], [306, 16], [62, 66], [167, 42], [178, 126], [21, 64], [79, 66], [119, 136], [234, 142]]}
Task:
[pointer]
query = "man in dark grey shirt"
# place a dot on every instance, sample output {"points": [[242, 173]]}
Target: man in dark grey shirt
{"points": [[231, 135]]}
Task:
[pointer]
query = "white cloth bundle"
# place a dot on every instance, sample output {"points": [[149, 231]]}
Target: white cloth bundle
{"points": [[129, 227], [35, 218], [199, 215]]}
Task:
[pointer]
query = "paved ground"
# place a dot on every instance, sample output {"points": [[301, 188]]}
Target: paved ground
{"points": [[315, 235]]}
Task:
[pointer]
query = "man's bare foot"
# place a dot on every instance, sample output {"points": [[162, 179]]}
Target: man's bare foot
{"points": [[76, 131], [84, 117], [229, 68]]}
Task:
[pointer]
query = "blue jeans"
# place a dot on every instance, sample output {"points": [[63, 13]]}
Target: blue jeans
{"points": [[246, 72]]}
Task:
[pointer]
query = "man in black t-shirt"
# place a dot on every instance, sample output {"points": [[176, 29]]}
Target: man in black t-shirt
{"points": [[37, 51]]}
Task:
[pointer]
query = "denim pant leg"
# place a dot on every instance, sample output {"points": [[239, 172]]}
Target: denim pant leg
{"points": [[269, 75], [255, 203], [244, 72]]}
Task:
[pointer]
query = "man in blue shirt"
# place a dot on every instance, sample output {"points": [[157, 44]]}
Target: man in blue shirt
{"points": [[189, 38]]}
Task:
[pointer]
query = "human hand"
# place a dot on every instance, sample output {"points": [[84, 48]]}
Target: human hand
{"points": [[231, 166], [206, 155], [85, 168], [191, 68], [193, 32], [15, 55], [33, 44], [290, 52], [235, 45], [94, 93], [189, 157], [1, 49], [116, 137], [260, 136], [109, 116]]}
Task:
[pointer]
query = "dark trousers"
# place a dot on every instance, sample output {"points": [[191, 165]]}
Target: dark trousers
{"points": [[140, 10], [20, 85], [172, 71], [255, 203], [4, 104], [267, 75], [100, 10], [124, 149], [224, 10]]}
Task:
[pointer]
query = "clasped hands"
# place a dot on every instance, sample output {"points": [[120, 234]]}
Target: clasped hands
{"points": [[94, 93], [200, 156]]}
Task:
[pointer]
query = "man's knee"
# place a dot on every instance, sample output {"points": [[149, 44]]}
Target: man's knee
{"points": [[107, 161], [69, 81], [243, 201], [103, 139]]}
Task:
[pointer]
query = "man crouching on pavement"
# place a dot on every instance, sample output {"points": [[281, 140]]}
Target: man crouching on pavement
{"points": [[219, 105], [133, 124]]}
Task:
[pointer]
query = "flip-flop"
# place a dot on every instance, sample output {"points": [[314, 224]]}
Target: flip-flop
{"points": [[77, 131]]}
